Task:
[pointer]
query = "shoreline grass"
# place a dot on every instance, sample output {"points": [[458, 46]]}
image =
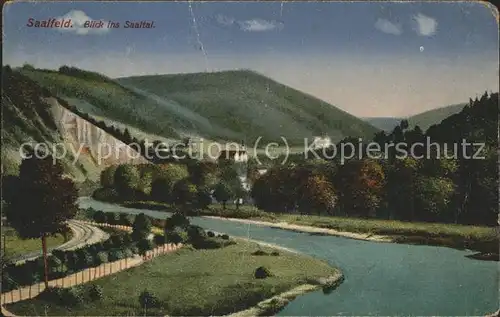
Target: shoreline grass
{"points": [[195, 282], [478, 238]]}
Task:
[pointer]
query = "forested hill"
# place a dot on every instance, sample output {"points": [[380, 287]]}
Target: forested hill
{"points": [[250, 105]]}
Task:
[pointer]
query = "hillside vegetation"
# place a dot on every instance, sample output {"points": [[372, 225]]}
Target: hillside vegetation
{"points": [[251, 105], [425, 119], [26, 117], [223, 106]]}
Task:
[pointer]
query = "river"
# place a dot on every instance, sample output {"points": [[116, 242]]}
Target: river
{"points": [[380, 278]]}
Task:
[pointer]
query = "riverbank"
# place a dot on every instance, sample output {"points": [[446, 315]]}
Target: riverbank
{"points": [[484, 240], [199, 282]]}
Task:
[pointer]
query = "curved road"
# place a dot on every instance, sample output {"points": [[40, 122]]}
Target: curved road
{"points": [[380, 278], [83, 234]]}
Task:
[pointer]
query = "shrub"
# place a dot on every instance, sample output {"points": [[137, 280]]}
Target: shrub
{"points": [[225, 237], [59, 254], [101, 258], [108, 244], [195, 233], [73, 296], [262, 272], [210, 234], [144, 245], [106, 194], [84, 258], [211, 243], [141, 227], [159, 239], [54, 262], [134, 249], [128, 253], [147, 299], [260, 252], [115, 255], [127, 239], [95, 292], [117, 240], [99, 216], [275, 253], [124, 220], [176, 220], [111, 218]]}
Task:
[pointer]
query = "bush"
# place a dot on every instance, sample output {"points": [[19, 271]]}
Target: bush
{"points": [[212, 243], [260, 252], [262, 272], [115, 255], [59, 254], [95, 292], [144, 245], [210, 234], [176, 236], [84, 258], [141, 227], [275, 253], [117, 240], [124, 220], [106, 194], [176, 220], [127, 239], [101, 258], [73, 296], [147, 299], [195, 233], [159, 239], [112, 218], [225, 237], [134, 249], [128, 253], [99, 217], [54, 262]]}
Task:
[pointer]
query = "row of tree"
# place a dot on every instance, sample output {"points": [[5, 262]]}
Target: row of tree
{"points": [[191, 184]]}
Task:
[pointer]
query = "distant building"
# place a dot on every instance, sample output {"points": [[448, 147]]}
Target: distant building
{"points": [[237, 154], [321, 142]]}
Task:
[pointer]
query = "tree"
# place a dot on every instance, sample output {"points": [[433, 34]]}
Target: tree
{"points": [[126, 180], [141, 227], [99, 216], [317, 194], [108, 176], [222, 193], [360, 185], [184, 192], [164, 180], [45, 200], [432, 196], [203, 198]]}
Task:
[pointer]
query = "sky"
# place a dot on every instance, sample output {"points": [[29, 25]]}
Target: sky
{"points": [[371, 59]]}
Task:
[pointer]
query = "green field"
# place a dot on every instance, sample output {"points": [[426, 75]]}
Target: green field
{"points": [[15, 246], [193, 283]]}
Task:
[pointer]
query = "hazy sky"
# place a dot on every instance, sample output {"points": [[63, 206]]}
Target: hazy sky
{"points": [[368, 58]]}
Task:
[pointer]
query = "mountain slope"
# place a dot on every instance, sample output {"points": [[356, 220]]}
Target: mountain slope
{"points": [[383, 123], [223, 106], [248, 105], [425, 119], [32, 115]]}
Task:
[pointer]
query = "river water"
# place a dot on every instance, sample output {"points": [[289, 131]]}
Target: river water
{"points": [[380, 278]]}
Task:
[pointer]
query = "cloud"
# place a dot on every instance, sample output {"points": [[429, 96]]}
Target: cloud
{"points": [[254, 25], [258, 25], [388, 27], [78, 19], [424, 25], [224, 20]]}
